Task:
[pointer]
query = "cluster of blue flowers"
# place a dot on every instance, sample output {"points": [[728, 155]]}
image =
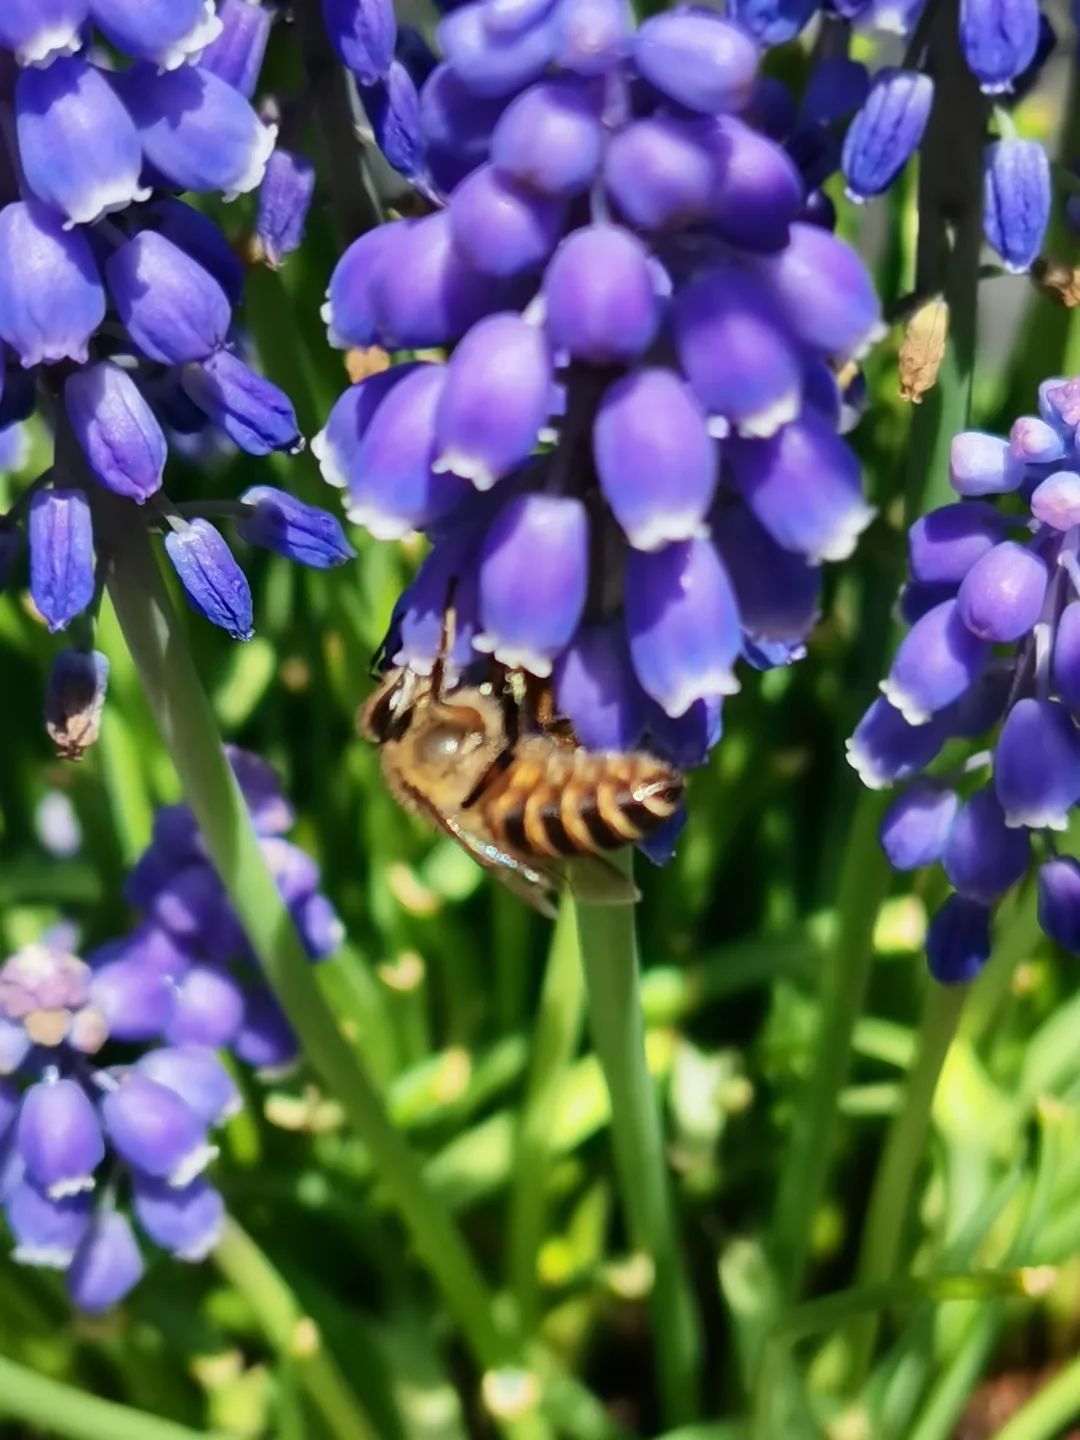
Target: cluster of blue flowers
{"points": [[630, 467], [878, 120], [993, 654], [117, 298], [110, 1078]]}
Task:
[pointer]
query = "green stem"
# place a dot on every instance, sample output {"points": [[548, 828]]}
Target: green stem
{"points": [[292, 1334], [1047, 1414], [845, 974], [557, 1035], [610, 962], [63, 1411], [182, 711], [903, 1153]]}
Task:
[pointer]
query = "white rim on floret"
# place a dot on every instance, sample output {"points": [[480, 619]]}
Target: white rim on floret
{"points": [[700, 686], [666, 529], [46, 1257], [50, 44], [189, 47], [514, 657], [862, 762], [330, 466], [378, 522], [334, 337], [252, 177], [192, 1166], [195, 1251], [913, 711], [106, 199], [1049, 817], [468, 467], [841, 545], [760, 424], [75, 1185]]}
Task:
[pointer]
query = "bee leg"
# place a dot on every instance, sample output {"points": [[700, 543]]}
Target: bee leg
{"points": [[446, 643]]}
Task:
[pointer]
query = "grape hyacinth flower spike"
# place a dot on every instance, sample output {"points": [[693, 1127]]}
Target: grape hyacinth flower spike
{"points": [[628, 466], [119, 300], [990, 669]]}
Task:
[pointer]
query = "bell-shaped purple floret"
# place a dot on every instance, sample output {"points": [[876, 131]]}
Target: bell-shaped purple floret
{"points": [[534, 572], [304, 533], [37, 31], [697, 59], [490, 60], [46, 1232], [61, 537], [117, 431], [185, 1220], [167, 33], [982, 706], [938, 659], [59, 1138], [422, 289], [107, 1265], [265, 1040], [392, 486], [207, 1009], [886, 132], [772, 22], [173, 308], [196, 130], [79, 148], [393, 108], [658, 173], [591, 36], [136, 999], [682, 623], [778, 591], [958, 941], [254, 412], [1066, 656], [51, 296], [824, 292], [550, 138], [983, 856], [1037, 765], [363, 33], [1055, 501], [337, 446], [149, 945], [320, 926], [198, 236], [736, 351], [151, 1128], [198, 1076], [496, 399], [285, 197], [1059, 902], [999, 39], [655, 458], [186, 899], [805, 486], [236, 56], [600, 295], [945, 544], [597, 690], [500, 225], [1016, 201], [348, 313], [213, 582], [448, 575], [1002, 594], [757, 190], [916, 825], [980, 464]]}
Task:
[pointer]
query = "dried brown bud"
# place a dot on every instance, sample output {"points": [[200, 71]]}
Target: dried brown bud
{"points": [[923, 349], [1057, 281], [74, 701]]}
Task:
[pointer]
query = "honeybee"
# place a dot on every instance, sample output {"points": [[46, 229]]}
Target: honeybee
{"points": [[510, 783]]}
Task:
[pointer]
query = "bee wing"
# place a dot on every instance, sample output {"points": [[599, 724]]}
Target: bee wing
{"points": [[533, 881], [596, 881]]}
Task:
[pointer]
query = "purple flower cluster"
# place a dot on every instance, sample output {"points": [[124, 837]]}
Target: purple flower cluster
{"points": [[869, 125], [630, 468], [993, 654], [117, 298], [110, 1080]]}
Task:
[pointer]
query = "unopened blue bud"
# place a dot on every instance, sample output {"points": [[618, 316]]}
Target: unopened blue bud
{"points": [[286, 525], [107, 1265], [212, 580], [502, 227], [208, 1008], [59, 1138], [836, 88], [492, 61], [173, 309], [61, 555], [37, 31], [886, 132], [284, 200], [999, 39], [196, 130], [393, 107], [591, 36], [187, 1220], [78, 146], [958, 941], [252, 411], [945, 544], [363, 33], [773, 22], [550, 138], [1001, 596], [1016, 200], [236, 56], [656, 170], [51, 296], [600, 294], [697, 59], [117, 431]]}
